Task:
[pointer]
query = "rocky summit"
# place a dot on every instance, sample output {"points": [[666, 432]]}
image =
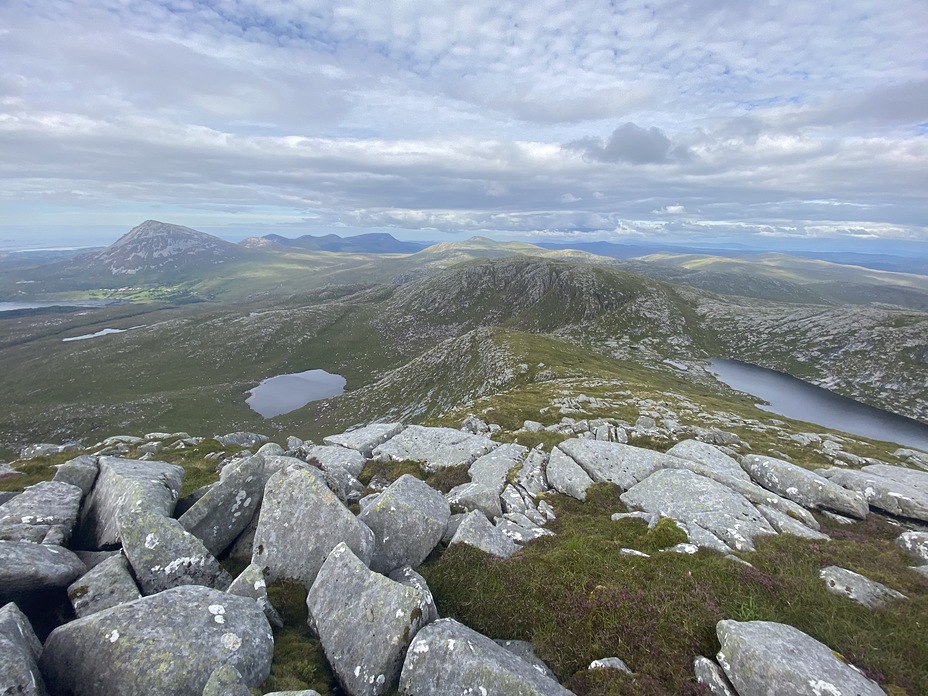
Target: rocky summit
{"points": [[435, 560]]}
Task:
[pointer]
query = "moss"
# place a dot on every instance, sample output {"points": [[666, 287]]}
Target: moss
{"points": [[449, 477], [33, 471], [389, 471]]}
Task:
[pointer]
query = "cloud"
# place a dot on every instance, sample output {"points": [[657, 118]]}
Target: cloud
{"points": [[671, 210], [632, 144]]}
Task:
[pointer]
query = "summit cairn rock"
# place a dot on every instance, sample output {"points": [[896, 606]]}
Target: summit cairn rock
{"points": [[365, 622], [758, 656], [169, 643], [43, 513], [434, 448], [300, 512], [408, 520], [804, 487], [125, 486], [447, 657]]}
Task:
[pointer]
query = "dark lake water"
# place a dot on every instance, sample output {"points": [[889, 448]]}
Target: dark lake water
{"points": [[284, 393], [793, 398], [13, 306]]}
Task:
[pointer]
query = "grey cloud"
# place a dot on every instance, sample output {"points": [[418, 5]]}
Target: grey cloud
{"points": [[633, 144]]}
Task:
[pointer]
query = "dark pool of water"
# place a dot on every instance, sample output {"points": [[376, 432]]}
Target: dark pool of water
{"points": [[793, 398], [13, 306], [284, 393]]}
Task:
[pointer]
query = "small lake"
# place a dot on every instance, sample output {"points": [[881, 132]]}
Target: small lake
{"points": [[14, 306], [284, 393], [793, 398]]}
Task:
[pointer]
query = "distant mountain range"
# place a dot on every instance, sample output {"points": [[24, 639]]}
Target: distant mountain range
{"points": [[373, 243]]}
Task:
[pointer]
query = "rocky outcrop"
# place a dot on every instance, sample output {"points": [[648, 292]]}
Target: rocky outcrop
{"points": [[623, 465], [475, 530], [168, 643], [104, 586], [29, 567], [81, 472], [492, 470], [251, 583], [433, 448], [566, 476], [896, 490], [860, 589], [365, 439], [20, 650], [43, 513]]}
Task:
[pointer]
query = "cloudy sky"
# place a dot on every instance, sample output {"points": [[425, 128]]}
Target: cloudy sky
{"points": [[692, 120]]}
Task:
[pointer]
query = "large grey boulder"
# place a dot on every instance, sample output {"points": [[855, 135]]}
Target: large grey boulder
{"points": [[447, 657], [896, 490], [164, 645], [492, 470], [434, 448], [365, 622], [803, 486], [251, 583], [365, 439], [122, 487], [241, 439], [408, 520], [784, 524], [531, 475], [226, 681], [709, 456], [475, 530], [81, 472], [857, 587], [916, 543], [43, 513], [327, 456], [104, 586], [701, 502], [762, 658], [407, 576], [623, 465], [20, 650], [475, 496], [300, 512], [225, 510], [27, 567], [164, 555], [566, 476]]}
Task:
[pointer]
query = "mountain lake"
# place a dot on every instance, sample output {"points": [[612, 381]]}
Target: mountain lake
{"points": [[284, 393], [787, 396], [15, 306]]}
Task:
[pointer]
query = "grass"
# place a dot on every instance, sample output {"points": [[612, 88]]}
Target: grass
{"points": [[386, 473], [577, 599]]}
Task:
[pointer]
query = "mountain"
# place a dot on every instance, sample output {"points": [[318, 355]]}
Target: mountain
{"points": [[373, 243], [158, 246]]}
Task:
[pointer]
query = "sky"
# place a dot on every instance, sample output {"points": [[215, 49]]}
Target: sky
{"points": [[688, 121]]}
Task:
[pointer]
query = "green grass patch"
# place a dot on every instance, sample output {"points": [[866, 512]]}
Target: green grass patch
{"points": [[32, 471]]}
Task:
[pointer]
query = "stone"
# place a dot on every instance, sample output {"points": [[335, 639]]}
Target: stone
{"points": [[512, 500], [43, 513], [709, 673], [410, 578], [342, 483], [434, 448], [81, 472], [92, 559], [912, 456], [365, 622], [27, 567], [695, 500], [623, 465], [447, 657], [270, 449], [365, 439], [44, 450], [530, 477], [531, 426], [566, 476], [274, 464], [125, 486], [758, 656], [492, 470], [475, 496], [709, 456], [611, 662], [916, 543], [241, 439], [475, 530], [301, 512], [803, 486], [408, 520], [226, 681], [784, 524], [857, 587], [225, 510], [243, 546], [166, 644], [898, 491], [521, 531], [20, 650], [327, 456], [251, 583], [525, 650], [451, 529], [164, 555], [475, 426], [104, 586]]}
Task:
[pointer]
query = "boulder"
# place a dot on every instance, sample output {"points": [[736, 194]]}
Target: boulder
{"points": [[761, 656], [226, 681], [616, 463], [27, 567], [124, 486], [408, 520], [530, 477], [911, 456], [475, 496], [566, 476], [492, 470], [784, 524], [407, 576], [342, 483], [301, 512], [20, 650], [916, 543], [164, 645], [81, 472], [512, 500], [709, 456], [524, 650], [895, 490], [711, 675], [327, 456], [520, 529], [278, 463], [251, 583], [164, 555], [227, 507], [43, 513], [697, 501], [365, 622], [475, 530], [104, 586], [857, 587], [447, 657], [365, 439], [434, 448], [803, 486], [241, 439]]}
